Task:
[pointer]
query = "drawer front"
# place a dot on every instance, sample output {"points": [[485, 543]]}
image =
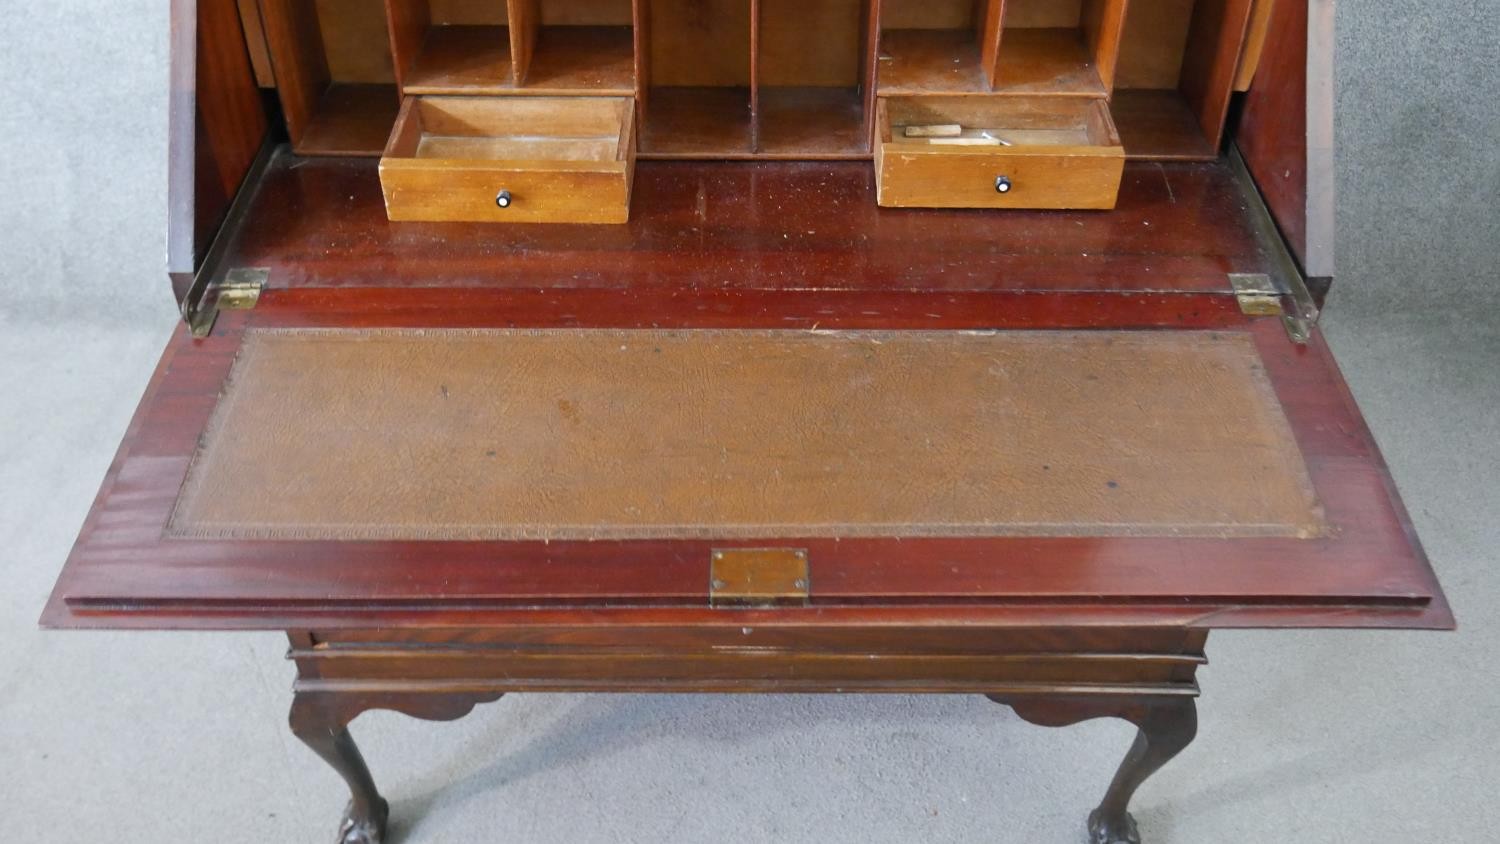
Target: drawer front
{"points": [[468, 192], [1082, 180], [934, 174]]}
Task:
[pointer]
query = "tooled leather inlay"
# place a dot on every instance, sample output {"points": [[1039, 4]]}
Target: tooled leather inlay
{"points": [[595, 434]]}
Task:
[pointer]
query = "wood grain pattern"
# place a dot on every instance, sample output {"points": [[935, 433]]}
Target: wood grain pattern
{"points": [[586, 12], [1255, 43], [437, 166], [813, 122], [408, 22], [296, 46], [810, 43], [525, 21], [255, 43], [1082, 171], [937, 61], [700, 43], [711, 123], [217, 123], [1152, 44], [351, 120], [1275, 127], [462, 59], [355, 41], [1020, 661], [990, 18], [336, 96], [1215, 36], [1103, 24], [1054, 62], [1159, 126], [1032, 14]]}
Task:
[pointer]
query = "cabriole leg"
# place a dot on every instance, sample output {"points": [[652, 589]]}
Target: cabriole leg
{"points": [[1166, 726], [1164, 730], [324, 728]]}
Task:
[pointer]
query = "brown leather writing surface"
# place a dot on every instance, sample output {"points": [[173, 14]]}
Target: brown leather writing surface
{"points": [[611, 434]]}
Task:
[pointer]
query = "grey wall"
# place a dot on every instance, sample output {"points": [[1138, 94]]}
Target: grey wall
{"points": [[82, 180]]}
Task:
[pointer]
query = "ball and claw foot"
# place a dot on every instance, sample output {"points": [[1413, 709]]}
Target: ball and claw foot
{"points": [[1104, 829], [364, 828]]}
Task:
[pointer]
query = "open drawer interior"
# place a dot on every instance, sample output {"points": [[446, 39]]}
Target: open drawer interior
{"points": [[1011, 152], [517, 159]]}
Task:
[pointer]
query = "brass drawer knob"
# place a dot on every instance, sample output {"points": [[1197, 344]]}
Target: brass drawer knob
{"points": [[1002, 184], [502, 199]]}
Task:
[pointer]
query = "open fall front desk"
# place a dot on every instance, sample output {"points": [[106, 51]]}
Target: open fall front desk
{"points": [[764, 436]]}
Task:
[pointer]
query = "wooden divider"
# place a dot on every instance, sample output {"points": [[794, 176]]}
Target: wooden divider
{"points": [[334, 73], [757, 78], [1176, 75]]}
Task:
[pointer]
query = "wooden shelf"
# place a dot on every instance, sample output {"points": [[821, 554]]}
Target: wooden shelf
{"points": [[812, 123], [1048, 61], [697, 122], [573, 59], [1160, 125], [351, 119], [930, 61], [462, 60]]}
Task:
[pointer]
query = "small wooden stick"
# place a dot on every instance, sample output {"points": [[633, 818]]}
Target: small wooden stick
{"points": [[935, 130], [963, 142]]}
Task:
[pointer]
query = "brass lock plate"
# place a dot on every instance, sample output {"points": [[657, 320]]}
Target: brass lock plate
{"points": [[755, 577]]}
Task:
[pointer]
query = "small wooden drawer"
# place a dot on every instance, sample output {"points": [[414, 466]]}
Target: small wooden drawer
{"points": [[996, 152], [510, 160]]}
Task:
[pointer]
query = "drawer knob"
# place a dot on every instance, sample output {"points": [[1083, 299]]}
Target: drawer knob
{"points": [[1002, 184], [502, 199]]}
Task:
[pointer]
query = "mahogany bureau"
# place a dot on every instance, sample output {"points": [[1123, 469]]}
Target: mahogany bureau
{"points": [[749, 346]]}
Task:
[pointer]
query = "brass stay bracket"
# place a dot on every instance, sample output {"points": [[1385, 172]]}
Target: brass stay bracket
{"points": [[1283, 291], [239, 291]]}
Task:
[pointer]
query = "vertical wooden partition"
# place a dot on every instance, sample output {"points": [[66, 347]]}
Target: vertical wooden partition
{"points": [[495, 47], [811, 69], [1058, 47], [938, 46], [697, 77], [334, 73], [755, 78], [1176, 75]]}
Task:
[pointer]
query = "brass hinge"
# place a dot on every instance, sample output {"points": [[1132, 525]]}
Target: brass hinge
{"points": [[239, 291], [757, 577], [1257, 295]]}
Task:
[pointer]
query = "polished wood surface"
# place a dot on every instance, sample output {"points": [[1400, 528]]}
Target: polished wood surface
{"points": [[1177, 227]]}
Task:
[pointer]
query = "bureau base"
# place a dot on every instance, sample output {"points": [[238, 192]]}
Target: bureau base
{"points": [[1049, 677]]}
